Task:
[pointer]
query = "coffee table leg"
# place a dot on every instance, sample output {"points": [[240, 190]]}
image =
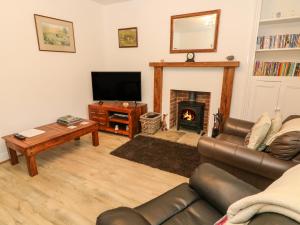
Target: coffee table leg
{"points": [[95, 138], [13, 156], [31, 165]]}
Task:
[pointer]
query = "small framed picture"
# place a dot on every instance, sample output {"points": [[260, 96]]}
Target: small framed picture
{"points": [[54, 35], [128, 37]]}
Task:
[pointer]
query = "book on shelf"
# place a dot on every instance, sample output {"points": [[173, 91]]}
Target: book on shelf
{"points": [[69, 120], [278, 41], [276, 69], [297, 70]]}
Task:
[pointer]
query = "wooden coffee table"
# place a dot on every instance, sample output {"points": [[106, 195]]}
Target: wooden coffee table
{"points": [[54, 135]]}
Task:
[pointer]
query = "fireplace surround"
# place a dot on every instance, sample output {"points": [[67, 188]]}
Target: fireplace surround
{"points": [[227, 85]]}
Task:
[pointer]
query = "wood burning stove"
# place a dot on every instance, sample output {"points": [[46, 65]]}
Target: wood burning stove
{"points": [[191, 114]]}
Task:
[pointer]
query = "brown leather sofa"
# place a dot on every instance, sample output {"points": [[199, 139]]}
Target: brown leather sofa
{"points": [[201, 202], [228, 152]]}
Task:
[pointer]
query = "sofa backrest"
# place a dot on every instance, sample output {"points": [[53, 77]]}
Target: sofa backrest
{"points": [[291, 117], [218, 187]]}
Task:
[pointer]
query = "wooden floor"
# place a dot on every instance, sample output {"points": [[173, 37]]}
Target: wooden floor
{"points": [[77, 182]]}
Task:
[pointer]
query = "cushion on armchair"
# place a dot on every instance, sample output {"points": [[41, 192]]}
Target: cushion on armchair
{"points": [[286, 146], [288, 126], [276, 124], [258, 132]]}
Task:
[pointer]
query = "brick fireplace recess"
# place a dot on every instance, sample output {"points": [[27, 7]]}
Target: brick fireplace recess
{"points": [[189, 110]]}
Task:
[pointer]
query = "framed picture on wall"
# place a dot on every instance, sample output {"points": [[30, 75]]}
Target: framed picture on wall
{"points": [[128, 37], [54, 35]]}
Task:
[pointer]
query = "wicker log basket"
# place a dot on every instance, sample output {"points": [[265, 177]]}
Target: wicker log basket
{"points": [[150, 122]]}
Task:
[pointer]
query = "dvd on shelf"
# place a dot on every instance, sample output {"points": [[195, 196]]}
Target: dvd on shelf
{"points": [[277, 69], [278, 41]]}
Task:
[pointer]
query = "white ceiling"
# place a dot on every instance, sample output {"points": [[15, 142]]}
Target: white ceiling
{"points": [[107, 2]]}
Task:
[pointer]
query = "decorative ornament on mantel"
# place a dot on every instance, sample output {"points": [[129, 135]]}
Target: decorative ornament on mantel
{"points": [[190, 57], [230, 57]]}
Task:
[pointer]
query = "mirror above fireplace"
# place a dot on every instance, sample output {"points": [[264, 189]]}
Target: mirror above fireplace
{"points": [[195, 32]]}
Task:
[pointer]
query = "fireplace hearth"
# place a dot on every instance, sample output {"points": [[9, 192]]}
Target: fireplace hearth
{"points": [[191, 114]]}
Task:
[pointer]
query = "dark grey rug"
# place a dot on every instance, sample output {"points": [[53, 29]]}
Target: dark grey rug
{"points": [[165, 155]]}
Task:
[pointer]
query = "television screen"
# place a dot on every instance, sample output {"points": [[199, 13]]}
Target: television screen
{"points": [[116, 86]]}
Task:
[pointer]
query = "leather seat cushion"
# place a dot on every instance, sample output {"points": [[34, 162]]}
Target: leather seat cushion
{"points": [[165, 206], [199, 213], [231, 138]]}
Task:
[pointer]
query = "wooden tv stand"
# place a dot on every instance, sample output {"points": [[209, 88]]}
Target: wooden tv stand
{"points": [[105, 115]]}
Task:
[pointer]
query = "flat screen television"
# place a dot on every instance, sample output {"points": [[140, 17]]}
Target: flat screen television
{"points": [[116, 86]]}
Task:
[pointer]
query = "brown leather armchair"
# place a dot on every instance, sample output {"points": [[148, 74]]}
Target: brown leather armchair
{"points": [[201, 202], [228, 152]]}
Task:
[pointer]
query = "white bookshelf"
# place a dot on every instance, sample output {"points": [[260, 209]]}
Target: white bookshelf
{"points": [[267, 93], [278, 17], [292, 19], [274, 78], [277, 49]]}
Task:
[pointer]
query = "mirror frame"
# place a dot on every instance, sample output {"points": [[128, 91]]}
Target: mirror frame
{"points": [[214, 49]]}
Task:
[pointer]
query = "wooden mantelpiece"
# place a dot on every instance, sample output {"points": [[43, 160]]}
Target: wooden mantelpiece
{"points": [[227, 87], [196, 64]]}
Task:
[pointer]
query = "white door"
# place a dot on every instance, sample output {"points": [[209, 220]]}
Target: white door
{"points": [[289, 99], [264, 98]]}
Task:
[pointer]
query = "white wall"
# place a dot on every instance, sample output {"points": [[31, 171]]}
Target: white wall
{"points": [[288, 8], [37, 87], [153, 21]]}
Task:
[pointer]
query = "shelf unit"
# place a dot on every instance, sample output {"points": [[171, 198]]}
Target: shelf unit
{"points": [[268, 93], [277, 49], [105, 115], [270, 26], [271, 21], [118, 120]]}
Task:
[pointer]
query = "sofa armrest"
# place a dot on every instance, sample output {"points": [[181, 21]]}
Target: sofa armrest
{"points": [[122, 215], [238, 156], [237, 127], [218, 187], [271, 219]]}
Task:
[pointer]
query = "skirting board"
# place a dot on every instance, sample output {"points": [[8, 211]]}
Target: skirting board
{"points": [[3, 156]]}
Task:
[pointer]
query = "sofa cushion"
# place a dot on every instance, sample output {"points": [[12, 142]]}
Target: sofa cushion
{"points": [[199, 213], [258, 132], [165, 206], [286, 146], [276, 124], [289, 126]]}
